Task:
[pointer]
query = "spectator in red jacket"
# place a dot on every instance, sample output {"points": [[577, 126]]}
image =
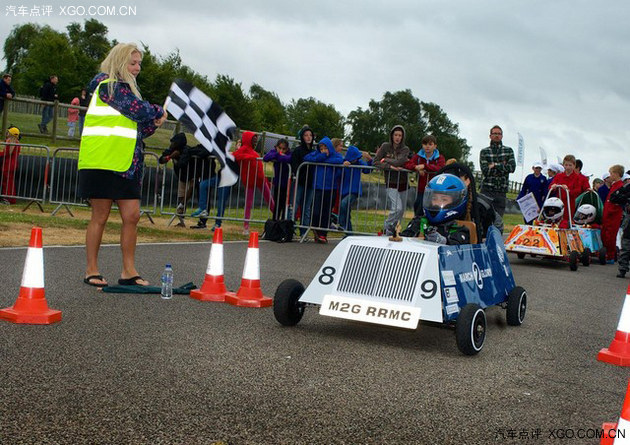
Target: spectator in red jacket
{"points": [[571, 181], [613, 213], [252, 175], [9, 154], [426, 162]]}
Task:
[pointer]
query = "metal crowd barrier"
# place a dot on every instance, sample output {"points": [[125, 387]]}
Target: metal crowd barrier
{"points": [[64, 182], [196, 189], [364, 215], [23, 173]]}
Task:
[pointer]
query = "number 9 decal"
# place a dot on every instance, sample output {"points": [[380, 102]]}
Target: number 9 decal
{"points": [[429, 289], [327, 275]]}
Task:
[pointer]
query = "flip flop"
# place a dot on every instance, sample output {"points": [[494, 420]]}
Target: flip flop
{"points": [[88, 280], [133, 281]]}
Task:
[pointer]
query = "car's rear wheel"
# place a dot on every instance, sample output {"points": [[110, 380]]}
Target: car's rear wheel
{"points": [[520, 255], [470, 330], [602, 255], [574, 258], [516, 306], [586, 257], [286, 305]]}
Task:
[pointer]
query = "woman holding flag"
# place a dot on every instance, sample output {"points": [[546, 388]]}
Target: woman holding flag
{"points": [[111, 157]]}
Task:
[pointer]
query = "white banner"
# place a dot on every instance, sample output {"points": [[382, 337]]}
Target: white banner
{"points": [[521, 150], [543, 156]]}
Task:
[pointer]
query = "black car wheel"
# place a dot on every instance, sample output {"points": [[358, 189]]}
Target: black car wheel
{"points": [[516, 306], [470, 330], [574, 258], [602, 255], [520, 255], [286, 305], [586, 257]]}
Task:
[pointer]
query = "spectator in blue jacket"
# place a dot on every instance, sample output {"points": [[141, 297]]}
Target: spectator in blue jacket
{"points": [[324, 181], [537, 184], [280, 155], [351, 187]]}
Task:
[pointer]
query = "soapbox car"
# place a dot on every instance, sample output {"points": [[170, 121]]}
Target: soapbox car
{"points": [[549, 240], [399, 283], [590, 235]]}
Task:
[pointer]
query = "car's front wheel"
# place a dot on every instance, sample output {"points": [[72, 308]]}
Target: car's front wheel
{"points": [[470, 330], [574, 258], [602, 255], [516, 306], [586, 257], [286, 305]]}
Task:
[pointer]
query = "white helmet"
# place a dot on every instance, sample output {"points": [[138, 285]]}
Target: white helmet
{"points": [[585, 214], [552, 210]]}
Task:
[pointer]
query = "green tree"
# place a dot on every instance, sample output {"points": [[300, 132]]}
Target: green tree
{"points": [[323, 118], [90, 41], [269, 112], [371, 127], [17, 44], [450, 144], [230, 95], [50, 53]]}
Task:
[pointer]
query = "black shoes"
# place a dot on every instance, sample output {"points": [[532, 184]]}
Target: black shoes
{"points": [[621, 274]]}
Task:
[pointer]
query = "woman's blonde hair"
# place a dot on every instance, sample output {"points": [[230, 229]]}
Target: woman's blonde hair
{"points": [[115, 65]]}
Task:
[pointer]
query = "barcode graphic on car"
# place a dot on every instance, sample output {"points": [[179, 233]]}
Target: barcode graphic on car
{"points": [[384, 273]]}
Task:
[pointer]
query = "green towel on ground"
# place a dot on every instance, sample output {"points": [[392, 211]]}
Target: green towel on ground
{"points": [[137, 289]]}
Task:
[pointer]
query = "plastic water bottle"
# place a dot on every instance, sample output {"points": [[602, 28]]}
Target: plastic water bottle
{"points": [[167, 283]]}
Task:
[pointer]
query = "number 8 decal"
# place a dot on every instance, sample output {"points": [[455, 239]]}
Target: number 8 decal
{"points": [[327, 275]]}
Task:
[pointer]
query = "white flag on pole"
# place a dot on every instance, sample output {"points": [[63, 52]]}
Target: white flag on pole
{"points": [[543, 156], [521, 150]]}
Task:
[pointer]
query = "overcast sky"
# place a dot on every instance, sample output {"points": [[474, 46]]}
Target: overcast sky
{"points": [[554, 71]]}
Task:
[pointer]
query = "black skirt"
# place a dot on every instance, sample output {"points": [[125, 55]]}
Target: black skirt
{"points": [[105, 184]]}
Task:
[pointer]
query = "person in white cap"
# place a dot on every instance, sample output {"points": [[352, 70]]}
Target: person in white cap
{"points": [[603, 190], [536, 183]]}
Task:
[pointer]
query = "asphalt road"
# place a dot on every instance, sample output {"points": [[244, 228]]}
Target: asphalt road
{"points": [[136, 369]]}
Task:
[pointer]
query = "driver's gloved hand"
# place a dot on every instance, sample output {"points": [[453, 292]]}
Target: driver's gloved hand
{"points": [[431, 234]]}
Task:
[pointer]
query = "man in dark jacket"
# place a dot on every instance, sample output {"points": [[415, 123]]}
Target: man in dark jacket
{"points": [[48, 92], [6, 90]]}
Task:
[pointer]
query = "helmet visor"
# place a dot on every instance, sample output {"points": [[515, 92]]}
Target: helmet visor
{"points": [[442, 199]]}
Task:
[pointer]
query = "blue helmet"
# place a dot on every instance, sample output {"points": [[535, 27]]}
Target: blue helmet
{"points": [[445, 199]]}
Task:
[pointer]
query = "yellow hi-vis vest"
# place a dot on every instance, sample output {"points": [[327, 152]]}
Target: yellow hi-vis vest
{"points": [[109, 138]]}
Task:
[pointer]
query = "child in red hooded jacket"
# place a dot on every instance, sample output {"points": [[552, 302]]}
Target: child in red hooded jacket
{"points": [[252, 175]]}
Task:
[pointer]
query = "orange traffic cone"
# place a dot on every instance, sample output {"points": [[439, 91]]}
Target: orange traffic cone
{"points": [[31, 306], [250, 294], [213, 287], [618, 353], [618, 433]]}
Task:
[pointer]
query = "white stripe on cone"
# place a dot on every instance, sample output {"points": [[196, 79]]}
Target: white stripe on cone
{"points": [[251, 271], [622, 435], [624, 320], [33, 275], [215, 264]]}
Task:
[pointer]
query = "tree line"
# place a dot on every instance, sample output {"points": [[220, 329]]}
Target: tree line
{"points": [[34, 52]]}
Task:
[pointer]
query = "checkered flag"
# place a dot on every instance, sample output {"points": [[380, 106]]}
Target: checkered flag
{"points": [[208, 122]]}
